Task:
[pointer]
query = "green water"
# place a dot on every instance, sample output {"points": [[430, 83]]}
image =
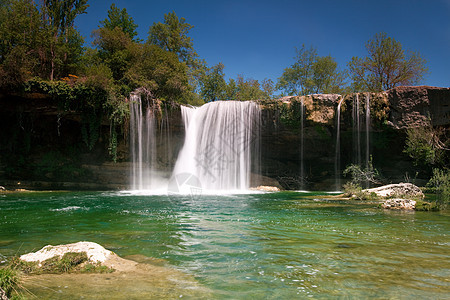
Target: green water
{"points": [[258, 246]]}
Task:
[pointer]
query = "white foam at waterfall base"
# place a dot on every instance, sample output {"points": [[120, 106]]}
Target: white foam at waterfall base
{"points": [[221, 138]]}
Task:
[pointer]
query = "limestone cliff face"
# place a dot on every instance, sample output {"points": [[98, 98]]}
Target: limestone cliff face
{"points": [[43, 144], [417, 106]]}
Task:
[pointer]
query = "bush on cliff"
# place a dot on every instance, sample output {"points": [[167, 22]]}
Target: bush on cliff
{"points": [[440, 184]]}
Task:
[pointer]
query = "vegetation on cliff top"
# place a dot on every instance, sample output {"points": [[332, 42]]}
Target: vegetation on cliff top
{"points": [[40, 41]]}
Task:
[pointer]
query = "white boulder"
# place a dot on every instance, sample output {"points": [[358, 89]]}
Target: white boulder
{"points": [[95, 252], [397, 190]]}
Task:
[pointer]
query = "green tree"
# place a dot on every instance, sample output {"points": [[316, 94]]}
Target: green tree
{"points": [[59, 16], [248, 89], [386, 66], [312, 73], [231, 90], [213, 85], [22, 42], [160, 72], [115, 49], [268, 88], [119, 18], [172, 35], [297, 79], [326, 78]]}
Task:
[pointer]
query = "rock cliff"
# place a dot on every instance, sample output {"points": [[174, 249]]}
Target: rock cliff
{"points": [[42, 144]]}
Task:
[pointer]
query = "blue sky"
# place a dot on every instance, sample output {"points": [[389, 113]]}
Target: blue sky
{"points": [[258, 38]]}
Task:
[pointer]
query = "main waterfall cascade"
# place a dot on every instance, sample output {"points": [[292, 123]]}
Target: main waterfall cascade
{"points": [[221, 140]]}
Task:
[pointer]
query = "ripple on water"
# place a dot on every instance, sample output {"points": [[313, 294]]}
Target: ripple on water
{"points": [[69, 208]]}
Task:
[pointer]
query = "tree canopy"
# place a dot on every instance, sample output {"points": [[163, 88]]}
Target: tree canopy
{"points": [[119, 18], [311, 73], [386, 66], [39, 40], [172, 35]]}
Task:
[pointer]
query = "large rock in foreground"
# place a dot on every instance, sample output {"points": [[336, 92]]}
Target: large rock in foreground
{"points": [[403, 190], [94, 251], [141, 278]]}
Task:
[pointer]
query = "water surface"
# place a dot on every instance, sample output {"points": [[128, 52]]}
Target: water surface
{"points": [[253, 246]]}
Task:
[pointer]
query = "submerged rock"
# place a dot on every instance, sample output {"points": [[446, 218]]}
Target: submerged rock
{"points": [[399, 204], [266, 188], [397, 190]]}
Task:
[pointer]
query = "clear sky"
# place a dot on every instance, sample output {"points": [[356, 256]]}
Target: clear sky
{"points": [[258, 38]]}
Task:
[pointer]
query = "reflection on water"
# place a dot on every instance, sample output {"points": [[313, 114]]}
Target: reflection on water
{"points": [[270, 246]]}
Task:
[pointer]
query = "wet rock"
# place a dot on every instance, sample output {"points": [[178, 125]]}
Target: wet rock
{"points": [[257, 180], [399, 204]]}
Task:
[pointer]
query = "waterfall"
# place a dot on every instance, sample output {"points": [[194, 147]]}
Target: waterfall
{"points": [[337, 162], [142, 144], [367, 130], [302, 172], [356, 132], [165, 136], [219, 143]]}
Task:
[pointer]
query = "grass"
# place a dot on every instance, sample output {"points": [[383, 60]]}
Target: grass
{"points": [[10, 283], [70, 262]]}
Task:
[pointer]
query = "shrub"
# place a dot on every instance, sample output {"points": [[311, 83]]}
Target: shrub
{"points": [[424, 145], [360, 175], [354, 190], [440, 183]]}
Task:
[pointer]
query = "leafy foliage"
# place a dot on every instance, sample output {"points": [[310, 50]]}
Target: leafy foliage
{"points": [[361, 175], [119, 18], [424, 145], [354, 190], [311, 73], [386, 66], [172, 36], [440, 182], [212, 83]]}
